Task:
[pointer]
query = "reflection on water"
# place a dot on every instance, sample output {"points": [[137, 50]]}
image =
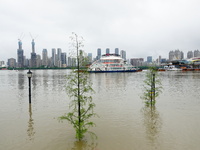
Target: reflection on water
{"points": [[30, 130], [120, 126], [152, 123], [83, 145], [34, 80], [21, 80]]}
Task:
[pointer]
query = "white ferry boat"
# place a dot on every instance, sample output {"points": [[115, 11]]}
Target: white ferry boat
{"points": [[111, 63]]}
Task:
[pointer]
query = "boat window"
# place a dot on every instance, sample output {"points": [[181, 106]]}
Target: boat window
{"points": [[111, 61]]}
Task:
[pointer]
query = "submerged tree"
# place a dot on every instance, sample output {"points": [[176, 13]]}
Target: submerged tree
{"points": [[79, 88], [152, 86]]}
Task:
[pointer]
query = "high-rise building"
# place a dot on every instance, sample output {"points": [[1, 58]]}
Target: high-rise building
{"points": [[33, 60], [33, 55], [33, 46], [117, 51], [159, 59], [107, 51], [123, 54], [89, 57], [58, 60], [12, 63], [44, 57], [53, 61], [149, 59], [2, 64], [98, 53], [26, 62], [74, 62], [20, 55], [137, 61], [196, 53], [176, 55], [59, 51], [171, 55], [69, 61], [190, 54], [38, 61], [64, 58]]}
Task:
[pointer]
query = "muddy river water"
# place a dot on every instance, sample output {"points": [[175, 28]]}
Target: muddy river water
{"points": [[124, 122]]}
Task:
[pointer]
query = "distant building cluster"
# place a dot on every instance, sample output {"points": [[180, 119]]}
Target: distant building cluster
{"points": [[192, 54], [173, 55], [59, 59], [176, 55]]}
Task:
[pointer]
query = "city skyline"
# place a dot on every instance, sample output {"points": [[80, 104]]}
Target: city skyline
{"points": [[142, 28], [62, 57]]}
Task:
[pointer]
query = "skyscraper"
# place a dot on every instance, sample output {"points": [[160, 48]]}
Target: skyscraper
{"points": [[64, 58], [149, 59], [38, 61], [190, 54], [171, 55], [123, 54], [98, 53], [44, 57], [33, 46], [20, 55], [117, 51], [58, 60], [53, 61], [196, 53], [176, 55], [89, 57], [107, 51], [12, 62], [137, 61], [33, 55]]}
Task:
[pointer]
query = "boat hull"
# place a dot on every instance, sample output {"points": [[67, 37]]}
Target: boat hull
{"points": [[112, 71]]}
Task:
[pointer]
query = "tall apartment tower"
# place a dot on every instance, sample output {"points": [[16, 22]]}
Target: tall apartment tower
{"points": [[44, 57], [64, 59], [53, 61], [149, 59], [196, 53], [33, 55], [176, 55], [58, 60], [38, 61], [12, 62], [190, 54], [117, 51], [20, 55], [171, 55], [107, 51], [123, 54], [98, 53], [89, 57]]}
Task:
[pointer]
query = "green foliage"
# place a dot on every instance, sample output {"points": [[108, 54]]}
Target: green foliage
{"points": [[79, 88], [152, 86]]}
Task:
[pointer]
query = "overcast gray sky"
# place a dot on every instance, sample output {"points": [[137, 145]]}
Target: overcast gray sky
{"points": [[140, 27]]}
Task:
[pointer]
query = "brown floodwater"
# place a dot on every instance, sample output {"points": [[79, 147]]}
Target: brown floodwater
{"points": [[124, 122]]}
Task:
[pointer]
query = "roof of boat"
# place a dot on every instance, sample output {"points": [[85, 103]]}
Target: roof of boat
{"points": [[110, 56]]}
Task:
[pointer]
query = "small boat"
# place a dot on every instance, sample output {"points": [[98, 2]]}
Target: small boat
{"points": [[111, 63], [172, 68], [161, 69]]}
